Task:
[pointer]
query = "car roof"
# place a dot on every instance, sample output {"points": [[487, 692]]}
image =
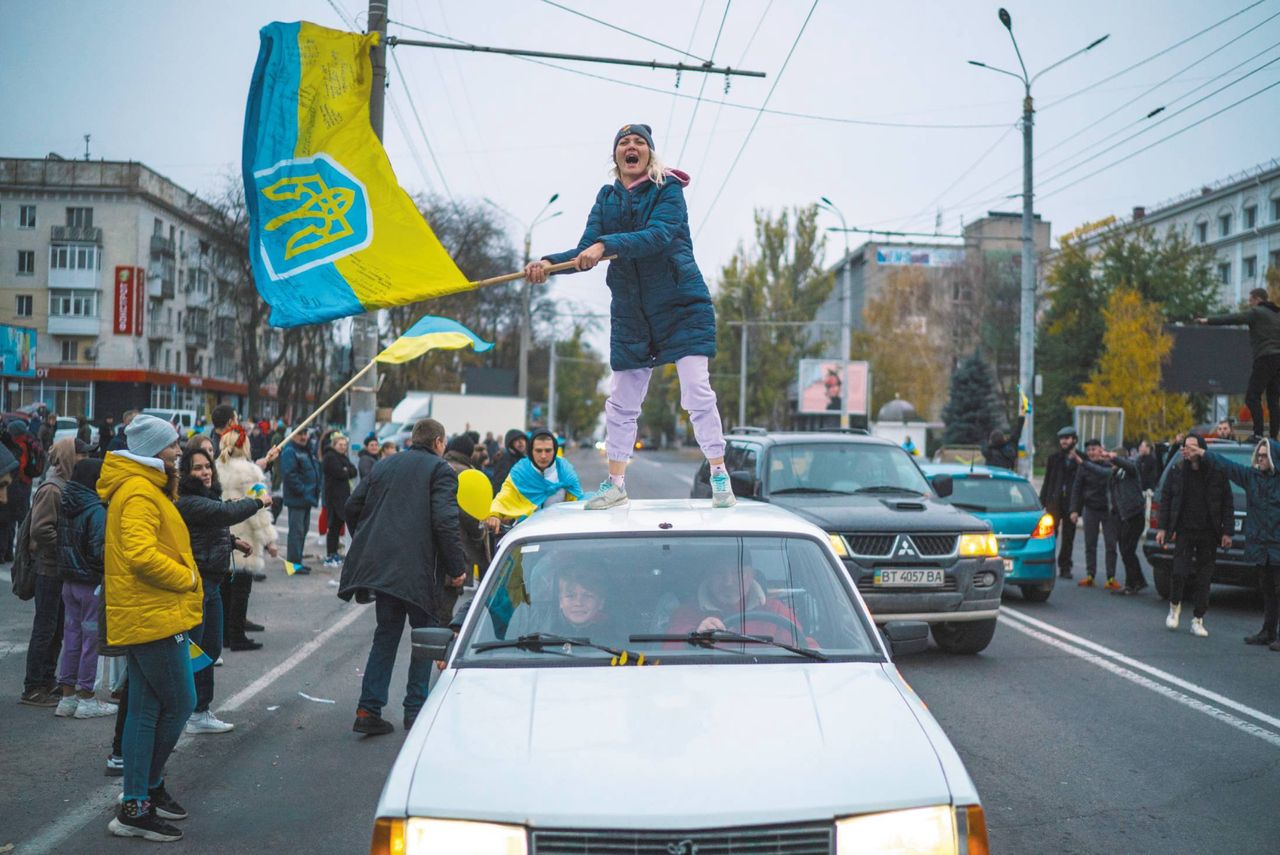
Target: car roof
{"points": [[665, 516], [797, 436], [959, 470]]}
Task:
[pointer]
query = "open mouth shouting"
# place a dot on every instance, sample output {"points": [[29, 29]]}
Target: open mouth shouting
{"points": [[632, 158]]}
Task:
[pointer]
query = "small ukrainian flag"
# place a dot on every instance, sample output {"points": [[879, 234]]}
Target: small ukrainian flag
{"points": [[199, 659], [290, 568], [431, 333]]}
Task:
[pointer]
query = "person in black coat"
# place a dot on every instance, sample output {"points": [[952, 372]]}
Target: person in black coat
{"points": [[209, 521], [406, 547], [1148, 465], [1089, 503], [1126, 505], [338, 472], [1055, 494], [1197, 515], [512, 452], [1001, 451]]}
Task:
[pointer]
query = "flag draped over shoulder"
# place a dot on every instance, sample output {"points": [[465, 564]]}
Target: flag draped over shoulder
{"points": [[331, 233], [431, 333]]}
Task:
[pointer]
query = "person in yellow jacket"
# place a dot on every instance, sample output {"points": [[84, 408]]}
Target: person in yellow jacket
{"points": [[153, 598]]}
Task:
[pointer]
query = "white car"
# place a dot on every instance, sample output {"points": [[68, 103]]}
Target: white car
{"points": [[667, 678]]}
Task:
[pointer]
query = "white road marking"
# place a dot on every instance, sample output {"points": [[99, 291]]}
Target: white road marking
{"points": [[1147, 683], [55, 834], [1186, 685], [7, 647]]}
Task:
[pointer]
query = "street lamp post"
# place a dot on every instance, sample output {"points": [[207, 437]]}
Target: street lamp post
{"points": [[1027, 320], [846, 300]]}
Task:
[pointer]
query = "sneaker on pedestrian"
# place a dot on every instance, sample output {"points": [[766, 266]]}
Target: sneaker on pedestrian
{"points": [[217, 662], [1066, 574], [1175, 615], [332, 560], [138, 819], [722, 491], [1086, 582], [40, 698], [67, 706], [207, 722], [115, 766], [93, 708], [162, 804], [371, 724], [1113, 585], [1261, 639], [610, 495], [300, 570], [1197, 628]]}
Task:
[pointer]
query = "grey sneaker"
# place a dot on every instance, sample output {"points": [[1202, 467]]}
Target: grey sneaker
{"points": [[610, 495], [67, 706], [207, 722], [722, 491]]}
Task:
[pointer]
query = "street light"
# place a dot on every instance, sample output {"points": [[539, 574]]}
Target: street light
{"points": [[1027, 323], [846, 298], [526, 321]]}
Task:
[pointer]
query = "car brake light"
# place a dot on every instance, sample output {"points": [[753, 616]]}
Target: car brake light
{"points": [[1044, 528], [388, 837], [1154, 522]]}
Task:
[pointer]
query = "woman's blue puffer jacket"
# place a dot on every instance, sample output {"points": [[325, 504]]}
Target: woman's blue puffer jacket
{"points": [[82, 529], [661, 309]]}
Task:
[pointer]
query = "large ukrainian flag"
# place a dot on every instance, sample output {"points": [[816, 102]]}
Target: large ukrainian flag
{"points": [[331, 233]]}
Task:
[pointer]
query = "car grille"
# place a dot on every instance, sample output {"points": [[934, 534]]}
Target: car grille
{"points": [[867, 585], [881, 545], [935, 544], [805, 839], [870, 544]]}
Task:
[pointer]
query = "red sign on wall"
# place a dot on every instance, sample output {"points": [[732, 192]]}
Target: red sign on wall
{"points": [[126, 298], [139, 289]]}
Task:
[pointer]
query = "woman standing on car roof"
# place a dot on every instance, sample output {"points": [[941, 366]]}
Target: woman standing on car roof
{"points": [[660, 308]]}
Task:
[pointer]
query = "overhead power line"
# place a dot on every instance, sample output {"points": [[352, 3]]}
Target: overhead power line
{"points": [[631, 33], [422, 129], [693, 33], [703, 85]]}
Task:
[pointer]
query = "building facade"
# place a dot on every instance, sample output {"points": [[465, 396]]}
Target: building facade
{"points": [[1238, 217], [125, 285]]}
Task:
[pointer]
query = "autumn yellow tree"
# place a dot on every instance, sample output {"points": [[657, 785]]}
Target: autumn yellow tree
{"points": [[903, 340], [1134, 349]]}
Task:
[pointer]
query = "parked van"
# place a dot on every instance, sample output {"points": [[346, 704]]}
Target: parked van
{"points": [[185, 420]]}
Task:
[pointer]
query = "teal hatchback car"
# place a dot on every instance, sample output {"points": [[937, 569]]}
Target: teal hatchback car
{"points": [[1010, 504]]}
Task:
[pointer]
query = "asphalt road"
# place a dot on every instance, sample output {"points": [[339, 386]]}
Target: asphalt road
{"points": [[1147, 741]]}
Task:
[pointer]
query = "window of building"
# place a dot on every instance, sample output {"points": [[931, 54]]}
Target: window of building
{"points": [[1275, 258], [27, 217], [1224, 225], [70, 350], [70, 256], [1224, 273], [23, 304], [73, 302], [1202, 232], [182, 239], [177, 362], [1250, 268], [157, 229], [1275, 210], [80, 218], [167, 359], [1250, 216], [26, 262]]}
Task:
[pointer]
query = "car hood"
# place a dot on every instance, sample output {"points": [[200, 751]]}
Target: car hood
{"points": [[675, 747], [883, 512]]}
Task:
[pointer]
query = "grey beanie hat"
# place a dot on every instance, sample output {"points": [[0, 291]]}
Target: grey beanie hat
{"points": [[147, 436]]}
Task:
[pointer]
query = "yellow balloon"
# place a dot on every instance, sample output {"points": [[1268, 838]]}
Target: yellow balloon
{"points": [[475, 493]]}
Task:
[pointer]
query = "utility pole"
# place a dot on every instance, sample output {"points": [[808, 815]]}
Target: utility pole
{"points": [[742, 378], [362, 405], [551, 389], [846, 300]]}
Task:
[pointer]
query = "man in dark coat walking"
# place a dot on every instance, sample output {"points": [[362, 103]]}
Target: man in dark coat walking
{"points": [[1197, 515], [405, 550], [1263, 320], [338, 472], [1089, 500], [1055, 495], [1002, 451]]}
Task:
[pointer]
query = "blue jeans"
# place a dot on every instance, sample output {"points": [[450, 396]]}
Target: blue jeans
{"points": [[391, 614], [162, 696], [299, 525], [46, 635], [209, 636]]}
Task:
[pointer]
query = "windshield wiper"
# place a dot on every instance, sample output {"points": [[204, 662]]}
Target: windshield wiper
{"points": [[888, 488], [538, 641], [810, 490], [708, 638], [967, 507]]}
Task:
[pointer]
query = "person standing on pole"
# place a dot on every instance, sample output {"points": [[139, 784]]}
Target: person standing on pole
{"points": [[1055, 495], [660, 307], [1197, 515], [1089, 499], [1263, 320]]}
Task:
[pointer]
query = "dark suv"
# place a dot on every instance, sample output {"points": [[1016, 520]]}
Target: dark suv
{"points": [[912, 558]]}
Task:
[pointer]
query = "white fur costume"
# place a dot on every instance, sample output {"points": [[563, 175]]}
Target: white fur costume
{"points": [[237, 474]]}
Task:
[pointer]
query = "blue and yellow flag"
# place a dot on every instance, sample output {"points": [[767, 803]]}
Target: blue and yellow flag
{"points": [[331, 233], [431, 333], [199, 659]]}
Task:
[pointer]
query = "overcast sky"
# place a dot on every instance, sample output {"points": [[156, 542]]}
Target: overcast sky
{"points": [[164, 83]]}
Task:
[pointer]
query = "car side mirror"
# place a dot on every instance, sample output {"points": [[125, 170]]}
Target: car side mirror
{"points": [[906, 637], [431, 643], [743, 483], [943, 486]]}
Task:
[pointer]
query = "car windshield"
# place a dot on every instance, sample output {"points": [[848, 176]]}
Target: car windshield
{"points": [[843, 467], [993, 494], [685, 599]]}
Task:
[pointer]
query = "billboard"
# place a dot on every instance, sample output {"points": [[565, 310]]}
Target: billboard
{"points": [[1216, 360], [126, 295], [832, 386], [917, 257], [17, 351]]}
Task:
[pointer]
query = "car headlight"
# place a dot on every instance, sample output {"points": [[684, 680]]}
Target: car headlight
{"points": [[938, 830], [979, 545], [838, 544], [422, 836]]}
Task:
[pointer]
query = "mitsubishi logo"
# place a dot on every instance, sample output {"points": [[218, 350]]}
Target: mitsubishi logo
{"points": [[905, 549], [682, 847]]}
